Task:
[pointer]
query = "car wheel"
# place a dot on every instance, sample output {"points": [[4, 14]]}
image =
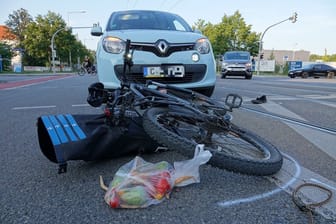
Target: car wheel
{"points": [[292, 76], [223, 76], [305, 75], [248, 76], [331, 75]]}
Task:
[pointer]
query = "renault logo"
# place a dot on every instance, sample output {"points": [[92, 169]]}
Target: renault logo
{"points": [[162, 46]]}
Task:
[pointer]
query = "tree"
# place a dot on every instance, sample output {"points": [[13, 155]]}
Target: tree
{"points": [[231, 33], [37, 42], [18, 22], [325, 58], [6, 55]]}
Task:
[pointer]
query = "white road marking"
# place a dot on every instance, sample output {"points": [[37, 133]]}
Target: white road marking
{"points": [[310, 194], [47, 106], [319, 97], [324, 184], [324, 141], [278, 109], [33, 107], [269, 193], [289, 178], [292, 175], [80, 105]]}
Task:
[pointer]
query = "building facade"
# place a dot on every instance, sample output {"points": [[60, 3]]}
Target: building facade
{"points": [[282, 56], [7, 37]]}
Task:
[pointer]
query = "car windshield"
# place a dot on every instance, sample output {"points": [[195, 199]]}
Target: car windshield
{"points": [[236, 56], [152, 20]]}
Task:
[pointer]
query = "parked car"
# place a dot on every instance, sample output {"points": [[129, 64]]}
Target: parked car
{"points": [[167, 50], [236, 63], [315, 70]]}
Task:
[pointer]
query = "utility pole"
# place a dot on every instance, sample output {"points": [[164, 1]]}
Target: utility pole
{"points": [[293, 18]]}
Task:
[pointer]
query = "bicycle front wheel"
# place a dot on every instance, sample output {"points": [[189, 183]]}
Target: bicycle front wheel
{"points": [[82, 71], [232, 148]]}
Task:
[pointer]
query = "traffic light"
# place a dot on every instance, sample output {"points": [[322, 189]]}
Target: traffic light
{"points": [[294, 17], [262, 56]]}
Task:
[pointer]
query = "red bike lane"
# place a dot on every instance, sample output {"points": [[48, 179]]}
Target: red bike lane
{"points": [[21, 83]]}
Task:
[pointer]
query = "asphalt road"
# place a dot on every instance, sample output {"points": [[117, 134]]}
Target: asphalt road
{"points": [[31, 191]]}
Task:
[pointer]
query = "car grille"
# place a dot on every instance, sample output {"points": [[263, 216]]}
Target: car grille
{"points": [[162, 48], [193, 73], [237, 66]]}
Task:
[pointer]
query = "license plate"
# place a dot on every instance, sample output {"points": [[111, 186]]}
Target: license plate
{"points": [[163, 71]]}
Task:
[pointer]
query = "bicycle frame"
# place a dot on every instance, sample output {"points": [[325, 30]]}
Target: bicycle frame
{"points": [[140, 97]]}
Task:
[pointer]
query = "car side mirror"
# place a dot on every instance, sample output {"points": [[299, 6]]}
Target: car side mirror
{"points": [[96, 30]]}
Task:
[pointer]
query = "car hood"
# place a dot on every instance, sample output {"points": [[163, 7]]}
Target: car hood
{"points": [[236, 61], [151, 36]]}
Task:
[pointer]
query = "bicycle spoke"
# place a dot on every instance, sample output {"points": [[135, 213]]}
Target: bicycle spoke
{"points": [[225, 141]]}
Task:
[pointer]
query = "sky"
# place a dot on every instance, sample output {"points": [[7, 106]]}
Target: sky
{"points": [[314, 31]]}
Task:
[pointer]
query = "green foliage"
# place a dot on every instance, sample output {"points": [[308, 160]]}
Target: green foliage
{"points": [[37, 43], [6, 55], [232, 33], [18, 22], [286, 68], [271, 57], [35, 38], [325, 58]]}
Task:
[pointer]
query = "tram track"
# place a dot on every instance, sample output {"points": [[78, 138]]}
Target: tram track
{"points": [[291, 120]]}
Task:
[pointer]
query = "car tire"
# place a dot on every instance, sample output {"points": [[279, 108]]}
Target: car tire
{"points": [[223, 76], [331, 75], [305, 75], [292, 76], [248, 76]]}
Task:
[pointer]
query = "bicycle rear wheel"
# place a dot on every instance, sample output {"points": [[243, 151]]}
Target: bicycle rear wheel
{"points": [[235, 149]]}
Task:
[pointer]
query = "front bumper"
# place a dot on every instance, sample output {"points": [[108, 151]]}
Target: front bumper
{"points": [[236, 71]]}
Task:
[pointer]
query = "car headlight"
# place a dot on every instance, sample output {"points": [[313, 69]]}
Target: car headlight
{"points": [[202, 46], [248, 64], [113, 45]]}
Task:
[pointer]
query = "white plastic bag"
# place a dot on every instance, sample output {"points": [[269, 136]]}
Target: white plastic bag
{"points": [[139, 184], [187, 172]]}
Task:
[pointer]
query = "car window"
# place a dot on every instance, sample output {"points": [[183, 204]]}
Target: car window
{"points": [[317, 67], [236, 56], [326, 67], [146, 20], [308, 66], [178, 26]]}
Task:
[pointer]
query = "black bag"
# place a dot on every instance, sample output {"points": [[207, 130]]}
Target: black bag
{"points": [[87, 137]]}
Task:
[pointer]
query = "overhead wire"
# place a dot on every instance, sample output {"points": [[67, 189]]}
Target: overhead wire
{"points": [[175, 4]]}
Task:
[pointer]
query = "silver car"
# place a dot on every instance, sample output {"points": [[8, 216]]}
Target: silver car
{"points": [[166, 50]]}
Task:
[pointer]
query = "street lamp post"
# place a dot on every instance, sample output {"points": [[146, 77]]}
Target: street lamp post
{"points": [[68, 13], [53, 51], [292, 18]]}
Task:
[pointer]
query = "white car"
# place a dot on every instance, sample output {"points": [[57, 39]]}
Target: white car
{"points": [[166, 50]]}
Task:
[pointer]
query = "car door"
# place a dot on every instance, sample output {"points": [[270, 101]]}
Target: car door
{"points": [[317, 70], [325, 70]]}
